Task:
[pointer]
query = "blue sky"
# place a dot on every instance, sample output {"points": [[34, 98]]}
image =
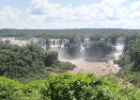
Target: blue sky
{"points": [[57, 14]]}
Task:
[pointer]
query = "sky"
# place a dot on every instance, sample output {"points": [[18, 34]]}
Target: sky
{"points": [[63, 14]]}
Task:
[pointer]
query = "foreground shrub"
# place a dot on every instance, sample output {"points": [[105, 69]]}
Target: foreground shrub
{"points": [[67, 87]]}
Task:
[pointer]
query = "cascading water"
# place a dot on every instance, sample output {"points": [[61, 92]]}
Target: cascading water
{"points": [[82, 52], [109, 41], [58, 45], [87, 41], [119, 48]]}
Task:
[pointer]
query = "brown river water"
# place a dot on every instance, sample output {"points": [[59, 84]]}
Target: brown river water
{"points": [[98, 68]]}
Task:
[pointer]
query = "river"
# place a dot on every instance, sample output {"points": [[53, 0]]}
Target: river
{"points": [[98, 68]]}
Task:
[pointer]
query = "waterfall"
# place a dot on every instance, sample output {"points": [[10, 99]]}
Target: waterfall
{"points": [[109, 42], [87, 41], [119, 48], [82, 52], [59, 46]]}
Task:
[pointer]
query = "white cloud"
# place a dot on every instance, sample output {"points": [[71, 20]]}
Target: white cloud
{"points": [[9, 13], [108, 13], [42, 7], [113, 2], [135, 5], [100, 11], [82, 11], [43, 14], [135, 15]]}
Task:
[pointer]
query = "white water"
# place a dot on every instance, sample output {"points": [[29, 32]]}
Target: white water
{"points": [[58, 45], [119, 48], [87, 41], [82, 52]]}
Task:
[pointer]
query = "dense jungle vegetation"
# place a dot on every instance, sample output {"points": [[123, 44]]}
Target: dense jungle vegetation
{"points": [[68, 87], [29, 62]]}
